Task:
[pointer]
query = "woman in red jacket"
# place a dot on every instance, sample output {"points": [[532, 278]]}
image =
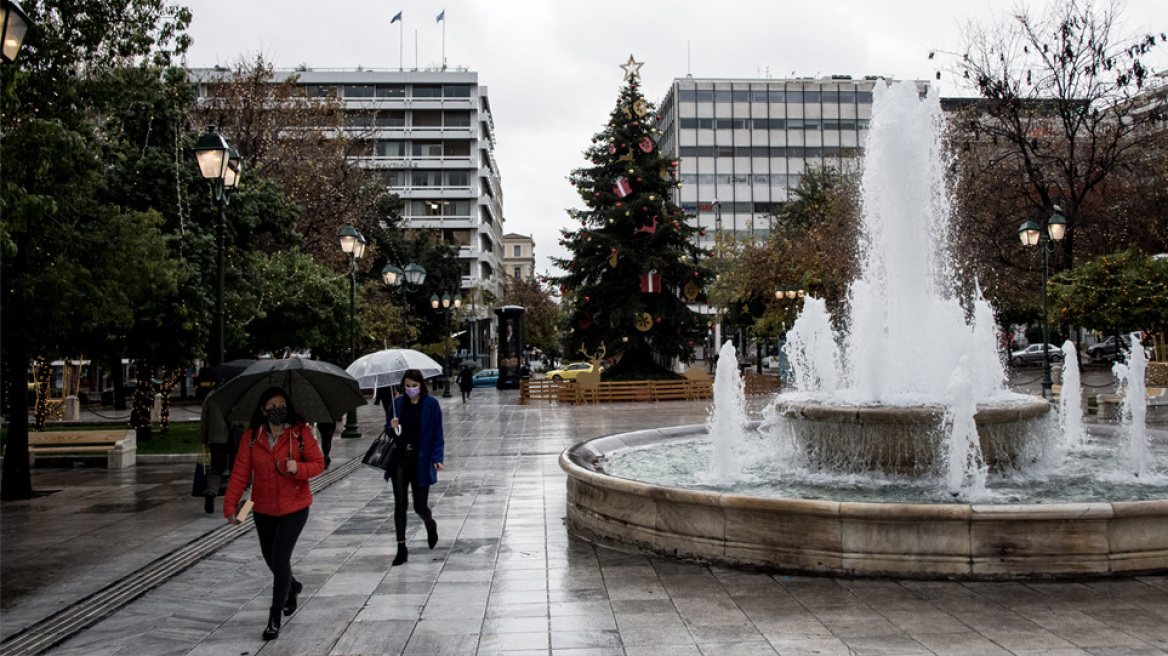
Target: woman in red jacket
{"points": [[279, 454]]}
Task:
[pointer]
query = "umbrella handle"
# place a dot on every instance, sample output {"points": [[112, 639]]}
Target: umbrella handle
{"points": [[396, 431]]}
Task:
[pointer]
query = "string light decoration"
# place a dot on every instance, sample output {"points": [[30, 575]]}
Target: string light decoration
{"points": [[41, 373]]}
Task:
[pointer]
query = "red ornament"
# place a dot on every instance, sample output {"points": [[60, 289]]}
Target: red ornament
{"points": [[658, 319], [703, 233], [587, 298], [611, 149], [644, 209], [638, 179], [698, 275], [614, 250], [573, 182], [597, 194], [618, 204], [676, 224]]}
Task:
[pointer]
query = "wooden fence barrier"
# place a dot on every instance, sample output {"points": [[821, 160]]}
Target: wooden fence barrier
{"points": [[645, 391]]}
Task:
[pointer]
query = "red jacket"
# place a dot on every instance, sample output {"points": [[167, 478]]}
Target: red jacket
{"points": [[272, 493]]}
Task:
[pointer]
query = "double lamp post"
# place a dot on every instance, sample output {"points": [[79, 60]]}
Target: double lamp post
{"points": [[1032, 235], [353, 243], [222, 166], [445, 306]]}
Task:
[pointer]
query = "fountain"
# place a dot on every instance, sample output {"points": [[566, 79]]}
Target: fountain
{"points": [[879, 462]]}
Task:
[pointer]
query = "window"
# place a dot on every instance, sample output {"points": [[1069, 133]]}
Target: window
{"points": [[321, 91], [391, 119], [759, 95], [705, 95], [687, 95], [391, 91], [864, 97], [391, 149], [456, 178], [427, 118], [722, 95], [427, 149], [426, 178], [794, 97], [427, 91], [457, 148], [456, 119], [516, 272], [689, 124], [847, 97], [456, 91], [723, 151], [393, 178], [516, 251], [830, 95], [794, 124], [740, 95], [357, 91], [811, 97], [777, 96]]}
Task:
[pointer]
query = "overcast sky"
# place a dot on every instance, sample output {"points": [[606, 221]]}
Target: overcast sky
{"points": [[551, 66]]}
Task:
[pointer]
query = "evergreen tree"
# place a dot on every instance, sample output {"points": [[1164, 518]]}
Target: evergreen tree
{"points": [[635, 264]]}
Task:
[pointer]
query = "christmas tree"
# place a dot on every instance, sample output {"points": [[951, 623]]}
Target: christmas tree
{"points": [[634, 265]]}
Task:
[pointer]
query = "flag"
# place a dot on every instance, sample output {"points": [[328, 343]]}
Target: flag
{"points": [[622, 188], [441, 16], [396, 18]]}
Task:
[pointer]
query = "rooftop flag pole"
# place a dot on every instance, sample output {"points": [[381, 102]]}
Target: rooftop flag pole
{"points": [[400, 40], [442, 19]]}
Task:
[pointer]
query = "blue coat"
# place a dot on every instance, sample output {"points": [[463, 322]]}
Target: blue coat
{"points": [[431, 442]]}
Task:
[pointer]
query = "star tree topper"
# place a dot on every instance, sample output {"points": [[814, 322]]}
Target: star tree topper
{"points": [[632, 68]]}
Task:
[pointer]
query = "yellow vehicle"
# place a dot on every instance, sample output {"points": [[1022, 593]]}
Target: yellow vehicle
{"points": [[570, 372]]}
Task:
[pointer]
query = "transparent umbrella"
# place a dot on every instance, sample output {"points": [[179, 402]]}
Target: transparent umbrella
{"points": [[385, 368]]}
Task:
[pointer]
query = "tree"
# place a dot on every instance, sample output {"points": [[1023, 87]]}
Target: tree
{"points": [[1115, 293], [1060, 117], [634, 262], [55, 190]]}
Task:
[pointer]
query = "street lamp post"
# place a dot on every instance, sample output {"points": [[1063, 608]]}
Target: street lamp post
{"points": [[1032, 235], [353, 243], [446, 305], [221, 165], [403, 281]]}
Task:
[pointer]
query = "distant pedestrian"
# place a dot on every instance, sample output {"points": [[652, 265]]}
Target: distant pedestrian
{"points": [[466, 382], [279, 454], [326, 430], [415, 420]]}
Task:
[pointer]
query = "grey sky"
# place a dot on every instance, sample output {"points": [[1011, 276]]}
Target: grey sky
{"points": [[551, 67]]}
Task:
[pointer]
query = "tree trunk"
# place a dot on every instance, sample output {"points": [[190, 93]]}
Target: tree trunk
{"points": [[119, 378], [143, 400], [17, 483]]}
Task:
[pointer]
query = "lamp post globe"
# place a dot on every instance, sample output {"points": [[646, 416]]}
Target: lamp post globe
{"points": [[15, 25], [1032, 235]]}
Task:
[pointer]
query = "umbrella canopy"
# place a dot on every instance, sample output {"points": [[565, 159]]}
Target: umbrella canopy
{"points": [[385, 368], [318, 390], [469, 363], [211, 377]]}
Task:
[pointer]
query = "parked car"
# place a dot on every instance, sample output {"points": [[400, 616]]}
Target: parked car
{"points": [[1105, 350], [486, 378], [570, 371], [107, 394], [1033, 355]]}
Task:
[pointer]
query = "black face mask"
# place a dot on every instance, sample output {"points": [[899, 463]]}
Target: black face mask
{"points": [[276, 416]]}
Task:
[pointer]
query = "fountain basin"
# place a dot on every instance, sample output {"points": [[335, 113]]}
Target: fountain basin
{"points": [[963, 541], [904, 439]]}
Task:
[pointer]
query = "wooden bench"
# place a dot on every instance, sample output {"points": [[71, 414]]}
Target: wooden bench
{"points": [[119, 445]]}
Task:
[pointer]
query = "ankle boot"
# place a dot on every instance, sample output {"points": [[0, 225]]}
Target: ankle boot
{"points": [[273, 630], [402, 556], [290, 604], [431, 533]]}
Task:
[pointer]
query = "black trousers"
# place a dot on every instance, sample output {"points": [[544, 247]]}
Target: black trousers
{"points": [[404, 477], [278, 535]]}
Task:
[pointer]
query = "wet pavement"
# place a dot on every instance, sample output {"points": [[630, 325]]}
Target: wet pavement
{"points": [[505, 578]]}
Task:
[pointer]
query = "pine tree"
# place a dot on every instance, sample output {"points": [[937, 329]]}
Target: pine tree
{"points": [[635, 263]]}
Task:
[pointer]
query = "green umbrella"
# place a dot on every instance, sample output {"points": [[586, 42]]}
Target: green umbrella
{"points": [[318, 390]]}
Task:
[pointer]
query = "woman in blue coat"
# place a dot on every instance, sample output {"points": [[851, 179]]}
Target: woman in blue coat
{"points": [[416, 422]]}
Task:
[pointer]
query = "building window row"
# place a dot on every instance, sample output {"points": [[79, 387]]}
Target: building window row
{"points": [[420, 149], [430, 118], [438, 208], [768, 151], [369, 91], [773, 124], [791, 96], [456, 178], [742, 179]]}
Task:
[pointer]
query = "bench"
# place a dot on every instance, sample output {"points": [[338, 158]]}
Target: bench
{"points": [[119, 445]]}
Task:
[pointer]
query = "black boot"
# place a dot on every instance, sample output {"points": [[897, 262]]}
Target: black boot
{"points": [[431, 533], [209, 502], [273, 630], [290, 604], [402, 556]]}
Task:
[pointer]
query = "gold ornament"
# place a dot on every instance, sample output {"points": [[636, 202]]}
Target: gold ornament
{"points": [[651, 196], [628, 114], [639, 107], [664, 173], [612, 260], [691, 290], [627, 157], [644, 321]]}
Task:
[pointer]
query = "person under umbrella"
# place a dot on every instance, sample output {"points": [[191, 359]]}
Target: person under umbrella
{"points": [[465, 381], [280, 455], [416, 421]]}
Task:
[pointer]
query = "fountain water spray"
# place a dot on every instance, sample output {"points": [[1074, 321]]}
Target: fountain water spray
{"points": [[727, 422], [966, 470], [1071, 400], [1134, 409]]}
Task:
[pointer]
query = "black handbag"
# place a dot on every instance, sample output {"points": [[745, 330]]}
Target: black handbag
{"points": [[380, 453]]}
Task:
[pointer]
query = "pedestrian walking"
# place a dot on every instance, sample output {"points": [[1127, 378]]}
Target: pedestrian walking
{"points": [[415, 420], [279, 454], [465, 382]]}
